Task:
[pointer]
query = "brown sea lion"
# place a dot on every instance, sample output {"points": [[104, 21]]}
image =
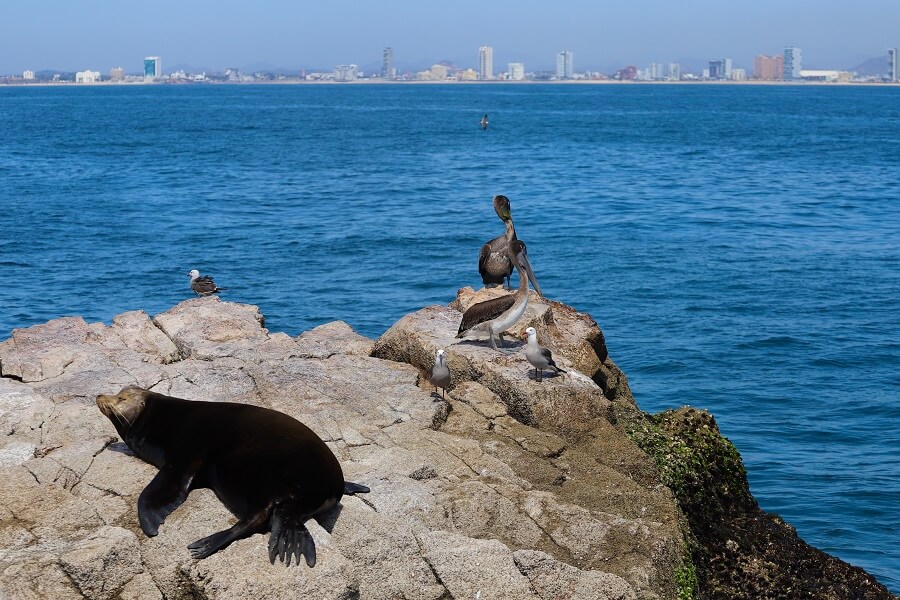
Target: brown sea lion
{"points": [[266, 467]]}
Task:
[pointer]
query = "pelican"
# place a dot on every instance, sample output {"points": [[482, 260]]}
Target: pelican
{"points": [[203, 285], [440, 373], [494, 263], [539, 357], [499, 314]]}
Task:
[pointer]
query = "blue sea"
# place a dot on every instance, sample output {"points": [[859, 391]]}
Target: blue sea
{"points": [[739, 245]]}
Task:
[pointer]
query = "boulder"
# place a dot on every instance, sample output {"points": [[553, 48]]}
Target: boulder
{"points": [[508, 488]]}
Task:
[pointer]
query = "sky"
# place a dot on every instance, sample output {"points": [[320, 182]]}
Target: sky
{"points": [[100, 34]]}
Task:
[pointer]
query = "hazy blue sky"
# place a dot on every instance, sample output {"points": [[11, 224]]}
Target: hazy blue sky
{"points": [[99, 34]]}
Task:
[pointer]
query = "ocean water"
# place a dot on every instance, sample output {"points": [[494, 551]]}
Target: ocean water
{"points": [[739, 245]]}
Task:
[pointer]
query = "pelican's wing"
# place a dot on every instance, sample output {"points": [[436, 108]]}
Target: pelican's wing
{"points": [[483, 257], [493, 262], [485, 311]]}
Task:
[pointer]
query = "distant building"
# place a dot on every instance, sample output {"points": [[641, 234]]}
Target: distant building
{"points": [[628, 73], [87, 76], [515, 71], [387, 64], [793, 63], [892, 65], [28, 75], [738, 74], [467, 75], [654, 72], [726, 68], [768, 68], [565, 68], [826, 75], [674, 71], [117, 74], [152, 67], [485, 62], [716, 69], [438, 72], [346, 73]]}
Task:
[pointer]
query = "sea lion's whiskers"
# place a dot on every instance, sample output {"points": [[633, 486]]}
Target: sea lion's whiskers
{"points": [[117, 413]]}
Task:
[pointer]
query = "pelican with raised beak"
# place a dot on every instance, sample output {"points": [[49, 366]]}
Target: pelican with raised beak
{"points": [[494, 262], [496, 315]]}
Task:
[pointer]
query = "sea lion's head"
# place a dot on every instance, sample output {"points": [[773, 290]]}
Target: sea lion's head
{"points": [[125, 407]]}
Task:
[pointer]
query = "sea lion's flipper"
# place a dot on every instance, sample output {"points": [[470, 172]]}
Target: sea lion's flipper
{"points": [[165, 492], [351, 488], [290, 538], [243, 528]]}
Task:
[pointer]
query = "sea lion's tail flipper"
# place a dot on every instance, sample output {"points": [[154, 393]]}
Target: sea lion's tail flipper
{"points": [[290, 538], [351, 488]]}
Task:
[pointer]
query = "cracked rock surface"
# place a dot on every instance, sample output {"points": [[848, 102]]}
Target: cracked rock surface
{"points": [[510, 488]]}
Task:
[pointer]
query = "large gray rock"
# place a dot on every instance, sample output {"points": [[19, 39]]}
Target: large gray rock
{"points": [[511, 488]]}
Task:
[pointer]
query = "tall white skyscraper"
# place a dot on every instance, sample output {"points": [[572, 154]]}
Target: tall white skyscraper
{"points": [[792, 63], [564, 66], [892, 65], [674, 71], [485, 62]]}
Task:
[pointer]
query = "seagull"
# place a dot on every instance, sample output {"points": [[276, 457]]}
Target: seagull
{"points": [[440, 373], [540, 358], [484, 121], [203, 285]]}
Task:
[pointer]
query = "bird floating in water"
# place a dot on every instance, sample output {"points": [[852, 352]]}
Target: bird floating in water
{"points": [[496, 315], [539, 357], [440, 373], [484, 121], [203, 285]]}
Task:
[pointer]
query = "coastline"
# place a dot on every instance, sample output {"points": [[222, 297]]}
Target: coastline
{"points": [[748, 82]]}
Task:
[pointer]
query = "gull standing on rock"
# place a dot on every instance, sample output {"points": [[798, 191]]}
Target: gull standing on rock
{"points": [[440, 373], [496, 315], [540, 358], [203, 285]]}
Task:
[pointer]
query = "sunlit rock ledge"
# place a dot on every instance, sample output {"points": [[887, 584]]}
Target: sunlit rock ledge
{"points": [[511, 488]]}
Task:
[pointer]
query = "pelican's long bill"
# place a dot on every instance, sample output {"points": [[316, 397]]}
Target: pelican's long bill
{"points": [[523, 260]]}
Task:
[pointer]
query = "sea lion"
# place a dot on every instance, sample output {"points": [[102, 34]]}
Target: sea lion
{"points": [[266, 467]]}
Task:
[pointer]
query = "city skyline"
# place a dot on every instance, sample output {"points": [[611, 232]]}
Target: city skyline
{"points": [[228, 34]]}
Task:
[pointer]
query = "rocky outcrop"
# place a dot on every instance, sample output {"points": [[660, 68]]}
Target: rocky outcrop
{"points": [[510, 488], [465, 498], [739, 550]]}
